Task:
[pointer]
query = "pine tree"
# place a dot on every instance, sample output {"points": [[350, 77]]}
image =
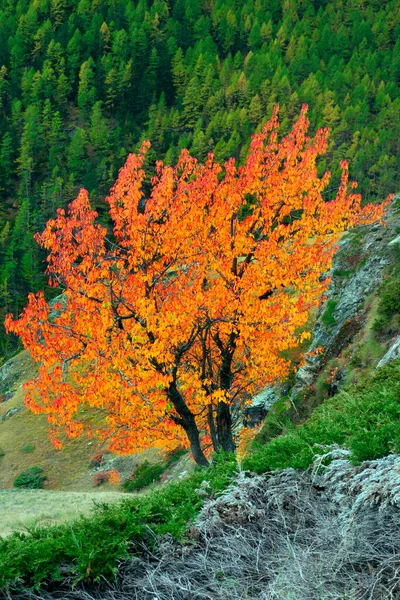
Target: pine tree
{"points": [[6, 162], [86, 90]]}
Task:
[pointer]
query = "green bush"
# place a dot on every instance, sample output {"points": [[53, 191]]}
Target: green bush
{"points": [[2, 453], [144, 475], [329, 315], [32, 479], [28, 448], [389, 306], [365, 419], [91, 547]]}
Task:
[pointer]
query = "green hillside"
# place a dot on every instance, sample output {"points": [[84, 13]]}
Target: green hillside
{"points": [[315, 486], [83, 81]]}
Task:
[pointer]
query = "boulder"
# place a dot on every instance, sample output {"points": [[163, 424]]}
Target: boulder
{"points": [[391, 354]]}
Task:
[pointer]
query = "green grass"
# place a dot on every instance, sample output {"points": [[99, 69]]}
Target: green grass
{"points": [[365, 418], [388, 311], [389, 307], [24, 509], [328, 317], [91, 547]]}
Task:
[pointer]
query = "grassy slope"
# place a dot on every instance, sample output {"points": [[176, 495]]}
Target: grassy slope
{"points": [[69, 490], [67, 469], [23, 510], [364, 416]]}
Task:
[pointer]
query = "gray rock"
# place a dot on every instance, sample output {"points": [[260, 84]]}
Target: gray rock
{"points": [[8, 376], [391, 354], [363, 256], [10, 413], [395, 241], [267, 398], [123, 464]]}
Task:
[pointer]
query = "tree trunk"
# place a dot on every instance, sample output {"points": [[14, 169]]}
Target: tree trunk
{"points": [[224, 418], [224, 427], [193, 437], [213, 430], [187, 421]]}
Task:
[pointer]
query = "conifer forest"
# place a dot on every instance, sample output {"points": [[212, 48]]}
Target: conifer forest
{"points": [[85, 82]]}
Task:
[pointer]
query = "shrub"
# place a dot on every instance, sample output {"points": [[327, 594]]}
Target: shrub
{"points": [[32, 478], [365, 419], [101, 477], [96, 460], [329, 315], [91, 546], [2, 453], [144, 475], [28, 448]]}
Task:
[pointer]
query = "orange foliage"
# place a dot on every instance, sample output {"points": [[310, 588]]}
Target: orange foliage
{"points": [[186, 308]]}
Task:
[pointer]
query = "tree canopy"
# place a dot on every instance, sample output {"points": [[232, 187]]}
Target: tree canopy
{"points": [[171, 322]]}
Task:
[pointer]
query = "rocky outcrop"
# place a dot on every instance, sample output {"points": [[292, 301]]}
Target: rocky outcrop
{"points": [[358, 269], [13, 373], [267, 398], [391, 354]]}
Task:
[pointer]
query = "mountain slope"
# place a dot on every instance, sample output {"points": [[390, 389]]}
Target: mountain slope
{"points": [[81, 83]]}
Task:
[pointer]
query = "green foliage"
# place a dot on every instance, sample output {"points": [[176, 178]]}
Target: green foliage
{"points": [[28, 448], [32, 478], [143, 476], [389, 307], [2, 453], [388, 313], [329, 315], [146, 473], [365, 418], [82, 83], [368, 354], [91, 547], [276, 421]]}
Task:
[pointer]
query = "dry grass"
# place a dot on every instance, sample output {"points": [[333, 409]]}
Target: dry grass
{"points": [[331, 534], [24, 509]]}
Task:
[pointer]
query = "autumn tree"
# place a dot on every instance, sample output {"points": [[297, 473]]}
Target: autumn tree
{"points": [[172, 321]]}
